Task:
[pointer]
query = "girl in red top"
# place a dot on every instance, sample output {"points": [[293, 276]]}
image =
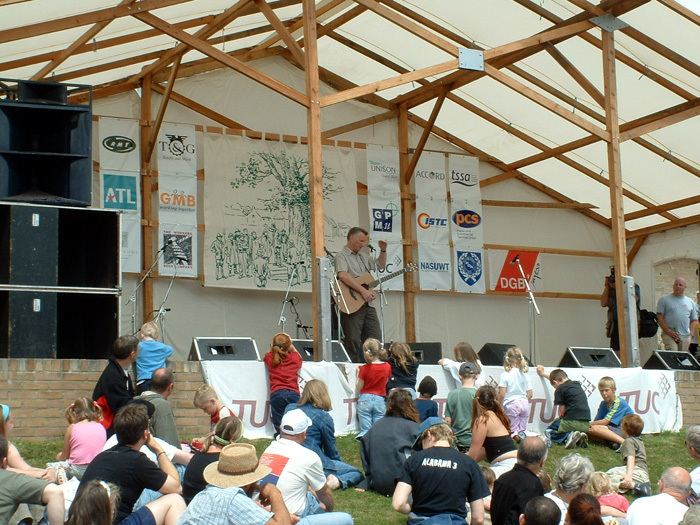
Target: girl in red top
{"points": [[371, 385], [283, 363]]}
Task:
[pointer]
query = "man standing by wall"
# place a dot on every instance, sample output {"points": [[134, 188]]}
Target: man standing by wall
{"points": [[678, 318], [351, 262]]}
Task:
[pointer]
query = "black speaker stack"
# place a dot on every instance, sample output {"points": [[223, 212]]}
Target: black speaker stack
{"points": [[60, 275], [588, 357]]}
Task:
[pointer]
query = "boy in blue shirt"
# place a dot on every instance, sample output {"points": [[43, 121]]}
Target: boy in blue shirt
{"points": [[606, 426], [152, 356]]}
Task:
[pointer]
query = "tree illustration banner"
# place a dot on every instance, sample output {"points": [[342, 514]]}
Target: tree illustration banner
{"points": [[258, 214]]}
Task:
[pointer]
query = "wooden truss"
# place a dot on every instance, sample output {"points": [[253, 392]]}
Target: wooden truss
{"points": [[296, 40]]}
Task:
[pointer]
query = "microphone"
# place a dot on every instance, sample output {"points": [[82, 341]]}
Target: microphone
{"points": [[371, 248], [169, 242], [515, 259], [293, 299]]}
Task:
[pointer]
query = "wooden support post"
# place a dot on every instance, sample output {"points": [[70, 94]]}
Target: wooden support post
{"points": [[615, 174], [313, 114], [409, 296], [163, 106], [146, 191]]}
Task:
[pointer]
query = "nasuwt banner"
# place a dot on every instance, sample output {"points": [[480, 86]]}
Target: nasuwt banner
{"points": [[650, 393], [119, 144], [383, 193], [434, 265]]}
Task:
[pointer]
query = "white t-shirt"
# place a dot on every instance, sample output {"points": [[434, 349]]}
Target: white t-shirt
{"points": [[563, 507], [695, 476], [661, 509], [167, 448], [453, 368], [295, 469], [516, 384]]}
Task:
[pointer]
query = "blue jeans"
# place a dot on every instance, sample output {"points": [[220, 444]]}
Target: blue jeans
{"points": [[149, 495], [554, 434], [370, 408], [348, 475], [314, 515], [438, 519], [278, 401]]}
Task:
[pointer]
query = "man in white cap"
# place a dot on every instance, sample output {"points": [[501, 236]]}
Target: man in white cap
{"points": [[298, 474], [227, 499]]}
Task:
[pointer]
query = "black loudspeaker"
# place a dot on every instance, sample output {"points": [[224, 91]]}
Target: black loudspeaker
{"points": [[45, 144], [492, 354], [224, 349], [669, 360], [427, 353], [306, 348], [585, 357], [48, 255]]}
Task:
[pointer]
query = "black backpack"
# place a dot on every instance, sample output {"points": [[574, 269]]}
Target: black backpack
{"points": [[648, 325]]}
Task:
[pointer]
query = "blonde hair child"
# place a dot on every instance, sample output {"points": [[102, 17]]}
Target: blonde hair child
{"points": [[515, 391], [152, 355], [371, 384], [83, 439], [600, 485]]}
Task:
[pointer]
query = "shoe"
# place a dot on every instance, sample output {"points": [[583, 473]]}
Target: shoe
{"points": [[583, 440], [61, 476], [332, 482], [572, 439], [642, 490], [547, 440], [616, 447]]}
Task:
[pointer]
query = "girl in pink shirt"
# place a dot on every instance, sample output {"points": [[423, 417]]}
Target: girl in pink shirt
{"points": [[84, 437], [600, 486]]}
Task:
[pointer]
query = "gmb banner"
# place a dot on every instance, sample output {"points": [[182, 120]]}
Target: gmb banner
{"points": [[177, 199], [383, 193]]}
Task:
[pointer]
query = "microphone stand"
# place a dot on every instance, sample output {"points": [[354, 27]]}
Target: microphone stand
{"points": [[160, 316], [337, 293], [282, 318], [533, 311], [300, 325], [134, 292]]}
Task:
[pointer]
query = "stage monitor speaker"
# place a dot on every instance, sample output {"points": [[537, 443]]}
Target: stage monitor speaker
{"points": [[669, 360], [306, 348], [492, 354], [589, 357], [427, 353], [224, 349]]}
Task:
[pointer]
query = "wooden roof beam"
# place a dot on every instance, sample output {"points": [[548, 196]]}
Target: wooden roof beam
{"points": [[634, 250], [681, 203], [427, 129], [281, 30], [576, 74], [686, 221], [682, 10], [216, 54], [83, 19], [359, 124], [155, 128], [199, 108]]}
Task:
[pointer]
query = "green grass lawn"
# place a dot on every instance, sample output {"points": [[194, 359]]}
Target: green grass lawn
{"points": [[663, 450]]}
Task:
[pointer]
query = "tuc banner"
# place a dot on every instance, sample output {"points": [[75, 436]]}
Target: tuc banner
{"points": [[504, 272], [242, 386]]}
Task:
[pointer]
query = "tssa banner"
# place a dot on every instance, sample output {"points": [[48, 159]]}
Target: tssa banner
{"points": [[504, 270]]}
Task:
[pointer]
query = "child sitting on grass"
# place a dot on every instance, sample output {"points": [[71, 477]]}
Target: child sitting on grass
{"points": [[600, 485], [427, 389], [612, 409], [634, 475], [205, 399]]}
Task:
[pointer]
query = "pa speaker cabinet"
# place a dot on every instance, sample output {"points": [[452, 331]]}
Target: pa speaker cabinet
{"points": [[305, 347], [427, 353], [492, 354], [669, 360], [224, 349], [28, 324], [589, 357]]}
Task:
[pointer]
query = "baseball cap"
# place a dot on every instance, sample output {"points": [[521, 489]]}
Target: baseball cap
{"points": [[295, 422], [425, 425], [468, 368]]}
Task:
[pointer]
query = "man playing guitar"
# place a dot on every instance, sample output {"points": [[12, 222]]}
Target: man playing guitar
{"points": [[352, 261]]}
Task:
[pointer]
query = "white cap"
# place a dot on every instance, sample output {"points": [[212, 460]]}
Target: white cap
{"points": [[295, 422]]}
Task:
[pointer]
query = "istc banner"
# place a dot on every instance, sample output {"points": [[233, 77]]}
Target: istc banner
{"points": [[505, 274]]}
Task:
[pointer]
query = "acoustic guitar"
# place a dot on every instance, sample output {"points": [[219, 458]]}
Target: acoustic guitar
{"points": [[353, 299]]}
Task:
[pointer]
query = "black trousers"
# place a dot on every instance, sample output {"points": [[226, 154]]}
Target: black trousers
{"points": [[356, 328]]}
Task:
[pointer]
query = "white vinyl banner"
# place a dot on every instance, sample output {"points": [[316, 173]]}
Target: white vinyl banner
{"points": [[177, 199], [257, 212], [468, 269], [180, 250], [431, 221], [465, 201], [176, 149], [243, 387], [394, 263], [435, 272], [383, 193], [131, 243], [119, 144], [430, 176]]}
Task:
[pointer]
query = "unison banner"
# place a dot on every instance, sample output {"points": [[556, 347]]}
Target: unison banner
{"points": [[383, 193], [258, 218], [119, 144], [650, 393], [435, 271], [176, 149]]}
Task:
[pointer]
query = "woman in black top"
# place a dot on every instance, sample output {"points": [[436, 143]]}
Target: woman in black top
{"points": [[227, 430]]}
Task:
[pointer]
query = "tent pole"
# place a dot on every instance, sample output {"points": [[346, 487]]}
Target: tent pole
{"points": [[409, 296], [615, 175], [313, 115], [146, 191]]}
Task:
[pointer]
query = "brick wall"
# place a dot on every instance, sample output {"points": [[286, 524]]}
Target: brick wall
{"points": [[39, 390], [688, 387]]}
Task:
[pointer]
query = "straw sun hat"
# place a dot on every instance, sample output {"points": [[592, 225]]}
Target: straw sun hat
{"points": [[237, 467]]}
